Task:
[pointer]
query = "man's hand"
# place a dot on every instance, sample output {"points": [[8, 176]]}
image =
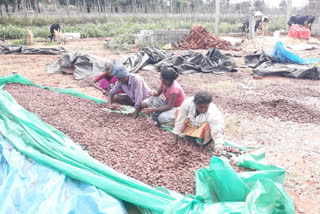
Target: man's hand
{"points": [[233, 150], [148, 111], [136, 113], [176, 138], [152, 93], [218, 151], [110, 100], [92, 82], [114, 106]]}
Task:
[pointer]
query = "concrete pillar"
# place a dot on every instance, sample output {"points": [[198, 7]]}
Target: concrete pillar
{"points": [[289, 13], [217, 17], [252, 22]]}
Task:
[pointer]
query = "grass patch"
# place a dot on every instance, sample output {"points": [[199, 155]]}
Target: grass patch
{"points": [[50, 44], [22, 41], [122, 42], [91, 26]]}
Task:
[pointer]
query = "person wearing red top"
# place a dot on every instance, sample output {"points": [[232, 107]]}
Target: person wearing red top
{"points": [[106, 79], [163, 110]]}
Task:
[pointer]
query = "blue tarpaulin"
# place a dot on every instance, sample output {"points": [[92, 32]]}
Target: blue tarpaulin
{"points": [[27, 186], [283, 63], [284, 56]]}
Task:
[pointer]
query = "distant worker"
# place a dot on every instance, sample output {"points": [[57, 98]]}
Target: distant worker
{"points": [[198, 117], [106, 79], [55, 32], [134, 87], [163, 110], [261, 23], [39, 7]]}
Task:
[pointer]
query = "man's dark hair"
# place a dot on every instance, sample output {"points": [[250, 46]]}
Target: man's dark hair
{"points": [[202, 97], [169, 74]]}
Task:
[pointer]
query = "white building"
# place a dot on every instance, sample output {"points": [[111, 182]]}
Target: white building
{"points": [[314, 9]]}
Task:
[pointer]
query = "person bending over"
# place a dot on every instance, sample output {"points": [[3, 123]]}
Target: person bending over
{"points": [[163, 110], [134, 87], [106, 79], [198, 117]]}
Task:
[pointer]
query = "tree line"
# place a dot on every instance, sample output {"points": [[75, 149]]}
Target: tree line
{"points": [[133, 6]]}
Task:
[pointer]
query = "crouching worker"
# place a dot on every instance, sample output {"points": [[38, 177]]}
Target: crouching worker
{"points": [[198, 117], [163, 110], [106, 79], [134, 87]]}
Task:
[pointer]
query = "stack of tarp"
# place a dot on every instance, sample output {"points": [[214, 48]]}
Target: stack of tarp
{"points": [[85, 65], [78, 64], [283, 63], [190, 62], [218, 188], [146, 56], [21, 49]]}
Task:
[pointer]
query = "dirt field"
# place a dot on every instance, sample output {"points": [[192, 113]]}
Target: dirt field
{"points": [[282, 115]]}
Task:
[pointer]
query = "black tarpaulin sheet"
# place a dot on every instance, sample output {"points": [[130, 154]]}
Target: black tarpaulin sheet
{"points": [[287, 70], [80, 65], [190, 62], [257, 58], [86, 65], [20, 49], [266, 65], [145, 57]]}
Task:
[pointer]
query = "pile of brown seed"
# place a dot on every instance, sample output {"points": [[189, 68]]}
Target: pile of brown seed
{"points": [[134, 147]]}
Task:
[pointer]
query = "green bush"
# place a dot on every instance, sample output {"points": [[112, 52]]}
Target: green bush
{"points": [[277, 23], [122, 42], [12, 32], [16, 27], [42, 32], [229, 28], [22, 41]]}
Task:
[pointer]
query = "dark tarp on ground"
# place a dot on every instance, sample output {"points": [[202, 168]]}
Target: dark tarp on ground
{"points": [[257, 58], [85, 65], [145, 57], [267, 65], [20, 49], [190, 62], [80, 65], [287, 70]]}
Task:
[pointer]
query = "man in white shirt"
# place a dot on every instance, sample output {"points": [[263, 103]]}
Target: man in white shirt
{"points": [[264, 25], [261, 23], [198, 117]]}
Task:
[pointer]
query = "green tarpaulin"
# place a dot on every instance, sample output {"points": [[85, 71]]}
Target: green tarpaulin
{"points": [[218, 188]]}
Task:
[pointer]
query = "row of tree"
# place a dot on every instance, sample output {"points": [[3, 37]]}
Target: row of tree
{"points": [[146, 6]]}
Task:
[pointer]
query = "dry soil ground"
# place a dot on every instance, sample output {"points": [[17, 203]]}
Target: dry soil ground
{"points": [[282, 115]]}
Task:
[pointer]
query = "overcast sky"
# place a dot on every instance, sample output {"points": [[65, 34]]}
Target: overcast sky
{"points": [[275, 3]]}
